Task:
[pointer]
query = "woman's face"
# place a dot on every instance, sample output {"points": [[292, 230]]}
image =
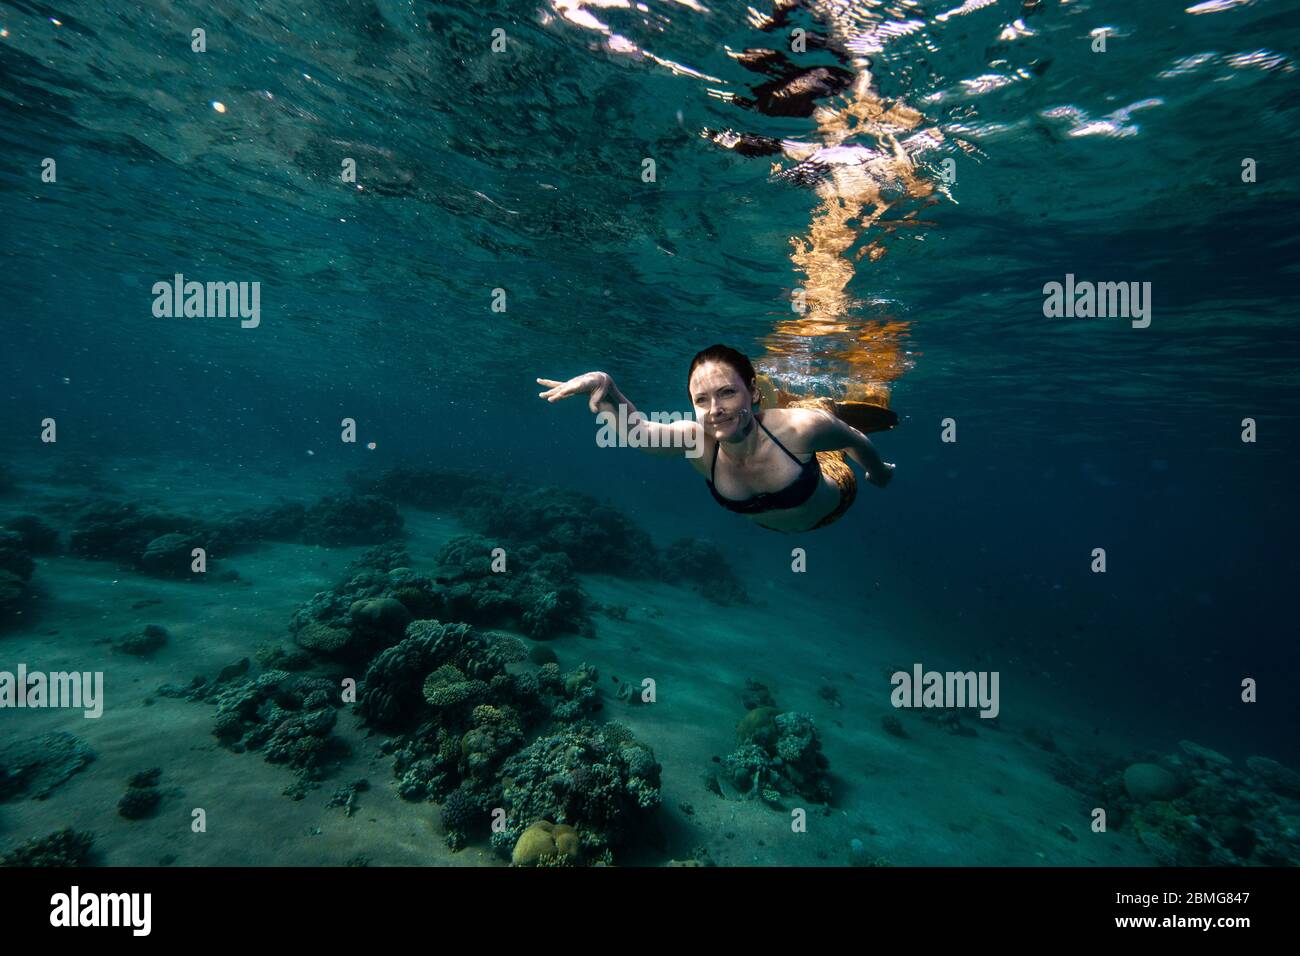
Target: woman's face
{"points": [[722, 400]]}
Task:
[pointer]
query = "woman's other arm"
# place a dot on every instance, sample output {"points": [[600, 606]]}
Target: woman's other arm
{"points": [[824, 432]]}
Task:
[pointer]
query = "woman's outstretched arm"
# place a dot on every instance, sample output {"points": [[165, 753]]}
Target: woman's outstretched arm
{"points": [[628, 427]]}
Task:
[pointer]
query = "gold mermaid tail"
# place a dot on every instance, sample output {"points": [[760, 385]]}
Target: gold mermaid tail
{"points": [[866, 417], [868, 410]]}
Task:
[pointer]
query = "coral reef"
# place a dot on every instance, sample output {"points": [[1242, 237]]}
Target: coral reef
{"points": [[893, 726], [471, 717], [594, 536], [16, 568], [538, 593], [282, 521], [460, 701], [142, 643], [351, 519], [170, 556], [756, 694], [142, 795], [40, 765], [615, 612], [748, 771], [66, 847], [596, 778], [577, 694], [951, 721], [361, 614], [37, 536], [160, 543], [547, 844], [14, 594], [1274, 776], [496, 732], [692, 563], [289, 717], [382, 617], [779, 754], [300, 739], [429, 488], [1148, 781], [758, 727], [447, 689], [346, 796], [82, 468], [468, 713], [830, 694], [324, 640], [798, 746], [1194, 807], [122, 531], [276, 657], [464, 814], [15, 556], [392, 694]]}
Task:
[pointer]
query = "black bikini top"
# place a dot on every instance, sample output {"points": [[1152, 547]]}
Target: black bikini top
{"points": [[791, 496]]}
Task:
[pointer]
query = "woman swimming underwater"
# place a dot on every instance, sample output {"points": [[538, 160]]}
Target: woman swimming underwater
{"points": [[783, 468]]}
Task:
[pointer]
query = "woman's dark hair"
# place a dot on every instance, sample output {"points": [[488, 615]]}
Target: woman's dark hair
{"points": [[737, 361]]}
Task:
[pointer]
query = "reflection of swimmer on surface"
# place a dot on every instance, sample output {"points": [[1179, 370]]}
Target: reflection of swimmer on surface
{"points": [[752, 457], [861, 163]]}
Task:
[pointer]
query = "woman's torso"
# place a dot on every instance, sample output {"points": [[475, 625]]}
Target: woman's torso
{"points": [[769, 470]]}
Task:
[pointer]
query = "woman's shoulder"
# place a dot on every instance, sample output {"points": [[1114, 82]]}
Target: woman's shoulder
{"points": [[797, 425]]}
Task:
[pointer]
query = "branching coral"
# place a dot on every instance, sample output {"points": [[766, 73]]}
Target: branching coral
{"points": [[603, 783]]}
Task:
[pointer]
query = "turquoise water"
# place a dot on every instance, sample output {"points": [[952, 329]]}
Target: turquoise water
{"points": [[523, 170]]}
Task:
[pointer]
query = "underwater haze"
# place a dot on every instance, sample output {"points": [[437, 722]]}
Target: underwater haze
{"points": [[350, 586]]}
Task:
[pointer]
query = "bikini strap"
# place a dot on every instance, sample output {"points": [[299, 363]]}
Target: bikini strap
{"points": [[778, 445]]}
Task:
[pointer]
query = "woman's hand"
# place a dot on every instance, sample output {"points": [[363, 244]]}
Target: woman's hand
{"points": [[597, 383], [881, 476]]}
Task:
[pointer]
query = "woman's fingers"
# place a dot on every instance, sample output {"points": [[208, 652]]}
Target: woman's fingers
{"points": [[583, 383], [553, 390]]}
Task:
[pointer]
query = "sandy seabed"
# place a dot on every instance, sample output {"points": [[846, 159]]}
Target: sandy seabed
{"points": [[933, 798]]}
